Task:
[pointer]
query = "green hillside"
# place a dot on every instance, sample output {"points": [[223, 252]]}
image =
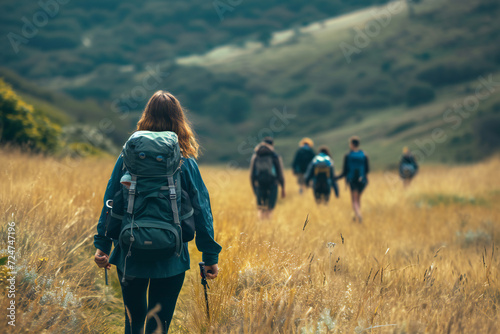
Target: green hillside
{"points": [[395, 92], [390, 74], [70, 38]]}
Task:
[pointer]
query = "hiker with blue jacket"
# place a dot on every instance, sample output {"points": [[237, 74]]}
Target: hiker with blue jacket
{"points": [[147, 225], [301, 161], [355, 170], [266, 173], [408, 167], [322, 173]]}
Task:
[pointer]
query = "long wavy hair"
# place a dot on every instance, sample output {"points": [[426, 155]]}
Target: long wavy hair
{"points": [[164, 113]]}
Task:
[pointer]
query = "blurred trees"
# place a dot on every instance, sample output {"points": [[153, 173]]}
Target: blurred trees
{"points": [[419, 94], [229, 106], [21, 124], [486, 129]]}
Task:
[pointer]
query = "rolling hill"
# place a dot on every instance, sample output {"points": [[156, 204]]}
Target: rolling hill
{"points": [[394, 74]]}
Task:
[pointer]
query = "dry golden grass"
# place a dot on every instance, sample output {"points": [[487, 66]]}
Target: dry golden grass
{"points": [[423, 261]]}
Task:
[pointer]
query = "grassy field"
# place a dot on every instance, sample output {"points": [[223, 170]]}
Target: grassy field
{"points": [[425, 259]]}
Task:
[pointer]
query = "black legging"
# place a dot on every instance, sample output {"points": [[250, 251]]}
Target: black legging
{"points": [[163, 291]]}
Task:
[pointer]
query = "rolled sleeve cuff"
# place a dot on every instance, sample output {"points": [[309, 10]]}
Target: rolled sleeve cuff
{"points": [[210, 258], [103, 243]]}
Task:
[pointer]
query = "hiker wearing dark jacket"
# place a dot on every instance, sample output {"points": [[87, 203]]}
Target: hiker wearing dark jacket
{"points": [[355, 170], [408, 167], [266, 173], [301, 161], [148, 283], [322, 173]]}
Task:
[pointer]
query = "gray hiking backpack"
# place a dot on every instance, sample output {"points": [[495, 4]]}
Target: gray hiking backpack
{"points": [[265, 171]]}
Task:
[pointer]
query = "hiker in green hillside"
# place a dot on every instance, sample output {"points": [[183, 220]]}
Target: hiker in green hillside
{"points": [[148, 229], [301, 161], [322, 173], [355, 170], [408, 167], [266, 173]]}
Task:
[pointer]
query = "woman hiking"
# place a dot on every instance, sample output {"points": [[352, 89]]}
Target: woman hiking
{"points": [[301, 161], [355, 170], [322, 173], [408, 167], [148, 283], [266, 173]]}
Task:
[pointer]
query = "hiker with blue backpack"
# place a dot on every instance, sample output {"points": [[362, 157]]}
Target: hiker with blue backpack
{"points": [[355, 170], [266, 173], [154, 202], [408, 167], [322, 173], [303, 157]]}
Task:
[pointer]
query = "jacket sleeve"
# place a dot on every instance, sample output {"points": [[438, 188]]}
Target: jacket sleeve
{"points": [[344, 169], [309, 173], [334, 181], [252, 172], [100, 241], [280, 169], [295, 163], [203, 218], [367, 165], [414, 162]]}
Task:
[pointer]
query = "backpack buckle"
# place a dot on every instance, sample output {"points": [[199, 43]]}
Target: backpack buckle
{"points": [[131, 190], [173, 195]]}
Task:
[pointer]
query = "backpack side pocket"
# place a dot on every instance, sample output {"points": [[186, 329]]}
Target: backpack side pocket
{"points": [[114, 216]]}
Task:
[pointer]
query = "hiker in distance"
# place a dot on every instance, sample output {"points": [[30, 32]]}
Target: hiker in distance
{"points": [[408, 167], [322, 173], [156, 167], [355, 170], [266, 173], [301, 161]]}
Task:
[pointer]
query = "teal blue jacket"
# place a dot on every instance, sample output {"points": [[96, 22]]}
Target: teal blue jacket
{"points": [[191, 182]]}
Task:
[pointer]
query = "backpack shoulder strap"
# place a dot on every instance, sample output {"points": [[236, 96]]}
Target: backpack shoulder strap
{"points": [[173, 199], [131, 194], [175, 209]]}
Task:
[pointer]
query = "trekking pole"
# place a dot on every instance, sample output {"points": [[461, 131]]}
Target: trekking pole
{"points": [[205, 284], [109, 205]]}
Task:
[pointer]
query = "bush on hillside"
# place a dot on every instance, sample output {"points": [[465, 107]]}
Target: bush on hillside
{"points": [[419, 94], [319, 107], [21, 124], [486, 129], [334, 89], [452, 73], [228, 106]]}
